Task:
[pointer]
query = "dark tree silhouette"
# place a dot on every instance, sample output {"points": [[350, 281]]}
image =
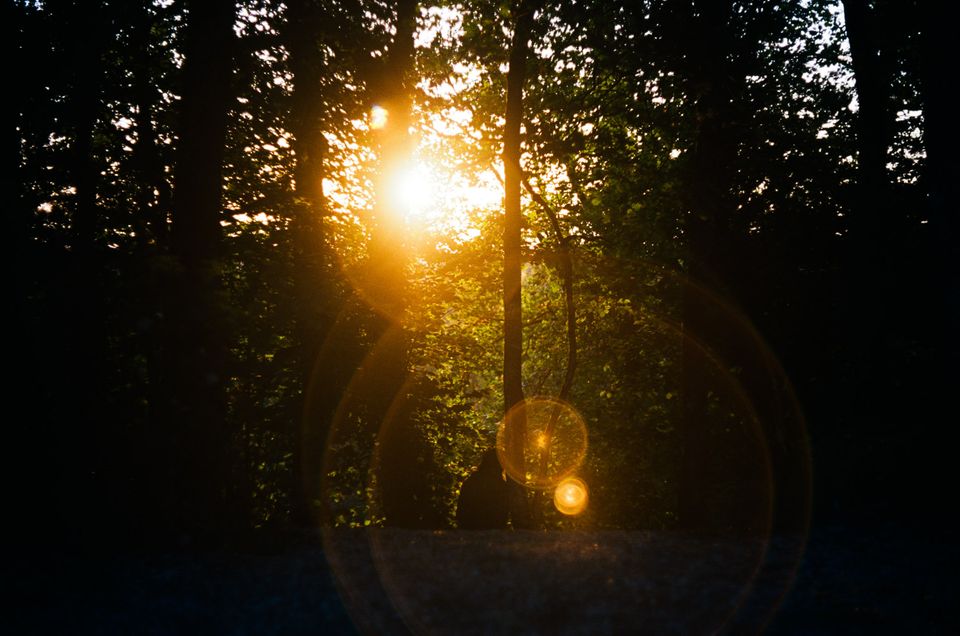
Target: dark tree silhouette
{"points": [[196, 332], [482, 504], [186, 295], [523, 17], [707, 221], [307, 60]]}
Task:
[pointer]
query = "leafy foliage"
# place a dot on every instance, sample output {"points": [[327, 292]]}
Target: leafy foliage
{"points": [[624, 104]]}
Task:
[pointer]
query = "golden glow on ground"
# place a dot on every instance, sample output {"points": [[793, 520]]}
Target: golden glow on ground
{"points": [[378, 117], [571, 496]]}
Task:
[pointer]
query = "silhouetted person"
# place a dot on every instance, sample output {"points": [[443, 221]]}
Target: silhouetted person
{"points": [[483, 496]]}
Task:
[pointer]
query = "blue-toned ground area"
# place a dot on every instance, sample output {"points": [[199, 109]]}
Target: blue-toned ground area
{"points": [[842, 581]]}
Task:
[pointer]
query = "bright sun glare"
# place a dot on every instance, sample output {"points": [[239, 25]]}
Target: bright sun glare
{"points": [[428, 195], [413, 188], [433, 200], [378, 117]]}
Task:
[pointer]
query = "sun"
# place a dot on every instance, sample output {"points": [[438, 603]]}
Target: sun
{"points": [[427, 198], [413, 189]]}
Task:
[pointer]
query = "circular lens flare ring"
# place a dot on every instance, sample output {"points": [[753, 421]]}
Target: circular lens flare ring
{"points": [[571, 496], [564, 447], [404, 580]]}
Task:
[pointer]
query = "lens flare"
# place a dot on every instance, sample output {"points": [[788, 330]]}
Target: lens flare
{"points": [[553, 438], [736, 487], [571, 496], [378, 117]]}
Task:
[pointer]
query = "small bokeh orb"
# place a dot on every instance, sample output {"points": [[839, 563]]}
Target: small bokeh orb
{"points": [[570, 496]]}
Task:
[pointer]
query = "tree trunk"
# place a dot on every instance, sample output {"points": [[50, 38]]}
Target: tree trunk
{"points": [[196, 330], [941, 138], [393, 91], [304, 24], [86, 350], [516, 426], [402, 466], [152, 208], [869, 327], [32, 513], [874, 128], [747, 476], [566, 275], [706, 231]]}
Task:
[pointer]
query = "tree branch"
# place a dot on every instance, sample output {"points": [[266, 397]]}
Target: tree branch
{"points": [[566, 272]]}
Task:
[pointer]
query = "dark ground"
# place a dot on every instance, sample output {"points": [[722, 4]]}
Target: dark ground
{"points": [[394, 581]]}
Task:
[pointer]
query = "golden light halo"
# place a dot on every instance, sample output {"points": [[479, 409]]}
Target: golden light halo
{"points": [[571, 496], [566, 447]]}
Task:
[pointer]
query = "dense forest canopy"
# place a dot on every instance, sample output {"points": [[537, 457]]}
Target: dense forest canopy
{"points": [[304, 262]]}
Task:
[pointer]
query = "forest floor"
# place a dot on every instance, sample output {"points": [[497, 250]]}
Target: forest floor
{"points": [[387, 581]]}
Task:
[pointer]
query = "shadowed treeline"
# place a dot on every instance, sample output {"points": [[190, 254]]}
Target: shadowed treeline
{"points": [[222, 321]]}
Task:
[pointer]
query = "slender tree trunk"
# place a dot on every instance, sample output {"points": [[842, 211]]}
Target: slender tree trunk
{"points": [[874, 223], [393, 91], [566, 275], [941, 138], [401, 456], [770, 482], [707, 235], [869, 326], [31, 514], [196, 334], [305, 22], [153, 191], [86, 349], [874, 128], [18, 219], [516, 426], [153, 196]]}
